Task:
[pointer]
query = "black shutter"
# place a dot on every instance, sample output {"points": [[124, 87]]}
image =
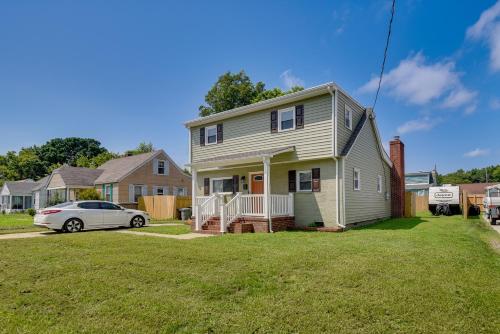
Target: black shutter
{"points": [[274, 121], [202, 137], [206, 186], [219, 133], [316, 180], [292, 181], [299, 117], [236, 184]]}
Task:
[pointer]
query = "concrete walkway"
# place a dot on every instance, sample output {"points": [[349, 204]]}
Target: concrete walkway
{"points": [[187, 236], [25, 235], [164, 224], [496, 227]]}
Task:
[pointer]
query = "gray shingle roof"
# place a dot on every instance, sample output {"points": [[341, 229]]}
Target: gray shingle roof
{"points": [[114, 170], [245, 155], [354, 135], [78, 176], [20, 187], [41, 183]]}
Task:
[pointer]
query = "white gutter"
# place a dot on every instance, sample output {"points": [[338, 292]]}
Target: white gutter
{"points": [[334, 92]]}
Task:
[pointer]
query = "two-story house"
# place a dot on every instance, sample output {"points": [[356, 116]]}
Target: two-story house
{"points": [[310, 157]]}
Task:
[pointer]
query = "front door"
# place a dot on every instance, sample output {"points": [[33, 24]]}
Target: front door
{"points": [[257, 183]]}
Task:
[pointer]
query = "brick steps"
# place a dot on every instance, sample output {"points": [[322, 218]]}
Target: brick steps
{"points": [[248, 224]]}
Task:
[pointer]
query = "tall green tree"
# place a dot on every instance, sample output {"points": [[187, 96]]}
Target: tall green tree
{"points": [[142, 148], [67, 150], [234, 90], [475, 175]]}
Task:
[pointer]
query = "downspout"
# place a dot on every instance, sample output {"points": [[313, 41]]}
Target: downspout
{"points": [[333, 92]]}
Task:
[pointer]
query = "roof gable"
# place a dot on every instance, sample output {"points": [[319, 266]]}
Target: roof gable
{"points": [[76, 176], [117, 169]]}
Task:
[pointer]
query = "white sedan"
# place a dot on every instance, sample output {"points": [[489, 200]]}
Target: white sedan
{"points": [[89, 215]]}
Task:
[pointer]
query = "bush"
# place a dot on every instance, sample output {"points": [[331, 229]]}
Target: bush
{"points": [[31, 212], [89, 194]]}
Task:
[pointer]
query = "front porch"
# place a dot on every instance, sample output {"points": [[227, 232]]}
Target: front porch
{"points": [[243, 213], [237, 193]]}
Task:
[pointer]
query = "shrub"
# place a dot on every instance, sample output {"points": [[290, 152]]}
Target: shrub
{"points": [[31, 212], [89, 194]]}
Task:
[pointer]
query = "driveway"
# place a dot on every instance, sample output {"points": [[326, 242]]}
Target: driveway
{"points": [[496, 228]]}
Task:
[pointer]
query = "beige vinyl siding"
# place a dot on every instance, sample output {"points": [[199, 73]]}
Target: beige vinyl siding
{"points": [[253, 132], [56, 181], [309, 206], [366, 204], [343, 132]]}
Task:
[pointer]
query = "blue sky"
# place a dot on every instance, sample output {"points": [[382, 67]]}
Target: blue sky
{"points": [[130, 71]]}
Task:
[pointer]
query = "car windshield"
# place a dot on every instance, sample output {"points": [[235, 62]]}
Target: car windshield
{"points": [[62, 205]]}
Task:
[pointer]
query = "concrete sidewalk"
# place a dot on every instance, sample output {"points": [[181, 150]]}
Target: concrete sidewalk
{"points": [[25, 235]]}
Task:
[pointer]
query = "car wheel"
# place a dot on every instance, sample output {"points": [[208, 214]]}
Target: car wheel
{"points": [[73, 225], [137, 222]]}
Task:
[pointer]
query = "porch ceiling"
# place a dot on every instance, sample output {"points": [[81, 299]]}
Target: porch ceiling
{"points": [[241, 158]]}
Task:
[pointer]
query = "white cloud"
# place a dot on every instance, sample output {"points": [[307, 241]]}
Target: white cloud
{"points": [[459, 97], [422, 124], [419, 82], [487, 28], [340, 17], [495, 103], [470, 109], [290, 80], [478, 152]]}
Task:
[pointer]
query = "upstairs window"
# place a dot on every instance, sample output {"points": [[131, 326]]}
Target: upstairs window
{"points": [[348, 117], [286, 119], [356, 179], [211, 135], [161, 167]]}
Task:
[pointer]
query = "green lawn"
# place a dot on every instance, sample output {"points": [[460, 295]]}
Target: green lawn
{"points": [[17, 223], [421, 275], [183, 229]]}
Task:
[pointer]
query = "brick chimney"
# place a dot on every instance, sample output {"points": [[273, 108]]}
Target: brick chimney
{"points": [[397, 177]]}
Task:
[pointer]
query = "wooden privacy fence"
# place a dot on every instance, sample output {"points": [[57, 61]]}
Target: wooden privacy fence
{"points": [[410, 204], [163, 207], [469, 200]]}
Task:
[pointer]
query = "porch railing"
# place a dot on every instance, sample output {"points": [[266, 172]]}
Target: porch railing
{"points": [[241, 205], [208, 208], [252, 205]]}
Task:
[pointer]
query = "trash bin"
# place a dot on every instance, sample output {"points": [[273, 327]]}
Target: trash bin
{"points": [[185, 213]]}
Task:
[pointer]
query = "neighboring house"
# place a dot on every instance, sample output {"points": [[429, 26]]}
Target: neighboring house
{"points": [[420, 182], [40, 193], [475, 188], [66, 182], [17, 195], [313, 156], [124, 180]]}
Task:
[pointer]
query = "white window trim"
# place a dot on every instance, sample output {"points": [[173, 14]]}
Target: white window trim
{"points": [[165, 167], [298, 181], [218, 179], [106, 193], [348, 110], [143, 190], [206, 135], [379, 184], [356, 170], [292, 109]]}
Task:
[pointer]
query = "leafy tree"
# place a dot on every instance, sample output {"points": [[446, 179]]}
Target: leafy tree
{"points": [[89, 194], [475, 175], [29, 164], [142, 148], [83, 161], [67, 150], [234, 90], [230, 91]]}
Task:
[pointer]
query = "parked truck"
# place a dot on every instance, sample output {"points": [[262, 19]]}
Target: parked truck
{"points": [[492, 204], [444, 200]]}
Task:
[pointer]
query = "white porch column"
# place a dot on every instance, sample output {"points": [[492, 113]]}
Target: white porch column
{"points": [[267, 190], [194, 187]]}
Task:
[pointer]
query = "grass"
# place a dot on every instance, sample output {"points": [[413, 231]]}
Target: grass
{"points": [[17, 223], [182, 229], [420, 275]]}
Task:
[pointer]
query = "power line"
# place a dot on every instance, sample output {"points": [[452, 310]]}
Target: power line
{"points": [[385, 53]]}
